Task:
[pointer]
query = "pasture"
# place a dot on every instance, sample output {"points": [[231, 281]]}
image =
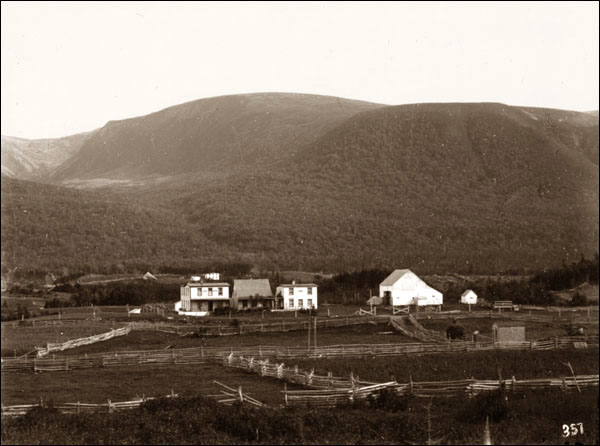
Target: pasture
{"points": [[97, 385], [18, 340]]}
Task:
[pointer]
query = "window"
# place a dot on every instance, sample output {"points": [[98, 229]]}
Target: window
{"points": [[309, 291], [301, 303], [220, 291], [309, 303], [210, 291], [291, 303], [291, 291]]}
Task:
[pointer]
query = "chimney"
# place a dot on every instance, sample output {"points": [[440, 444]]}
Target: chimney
{"points": [[293, 282]]}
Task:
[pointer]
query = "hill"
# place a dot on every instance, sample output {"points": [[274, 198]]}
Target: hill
{"points": [[323, 184], [27, 159], [207, 138]]}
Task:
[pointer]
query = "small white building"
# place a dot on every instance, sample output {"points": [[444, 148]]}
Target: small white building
{"points": [[297, 296], [199, 299], [468, 297], [403, 287]]}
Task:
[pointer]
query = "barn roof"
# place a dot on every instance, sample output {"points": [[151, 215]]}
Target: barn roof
{"points": [[251, 287], [467, 292], [394, 277]]}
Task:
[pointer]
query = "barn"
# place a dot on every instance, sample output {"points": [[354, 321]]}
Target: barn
{"points": [[468, 297], [403, 287]]}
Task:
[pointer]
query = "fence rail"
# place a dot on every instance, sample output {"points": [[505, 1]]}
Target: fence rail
{"points": [[330, 391], [198, 355], [80, 408], [73, 343]]}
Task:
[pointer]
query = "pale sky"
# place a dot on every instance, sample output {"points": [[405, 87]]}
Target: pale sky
{"points": [[69, 67]]}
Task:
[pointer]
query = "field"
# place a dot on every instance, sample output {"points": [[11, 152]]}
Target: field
{"points": [[20, 340], [452, 366], [154, 340], [455, 420]]}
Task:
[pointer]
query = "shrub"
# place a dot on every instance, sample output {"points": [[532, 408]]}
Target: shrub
{"points": [[489, 404], [455, 331], [578, 300], [388, 400]]}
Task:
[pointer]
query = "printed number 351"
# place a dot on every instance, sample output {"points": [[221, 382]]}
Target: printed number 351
{"points": [[572, 429]]}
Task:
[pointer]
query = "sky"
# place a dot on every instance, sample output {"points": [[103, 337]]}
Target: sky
{"points": [[71, 67]]}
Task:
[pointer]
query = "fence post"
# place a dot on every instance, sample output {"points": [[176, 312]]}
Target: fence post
{"points": [[411, 383], [34, 365], [66, 364], [77, 407], [241, 394], [41, 402], [555, 342], [285, 393], [108, 402]]}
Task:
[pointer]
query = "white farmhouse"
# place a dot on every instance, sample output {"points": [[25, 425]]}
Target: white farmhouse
{"points": [[297, 296], [199, 299], [468, 297], [403, 287]]}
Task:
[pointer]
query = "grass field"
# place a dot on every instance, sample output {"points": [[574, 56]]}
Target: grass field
{"points": [[456, 366], [125, 383], [153, 340], [21, 340], [533, 330]]}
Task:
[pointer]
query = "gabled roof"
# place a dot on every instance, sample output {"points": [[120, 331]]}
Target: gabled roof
{"points": [[251, 287], [467, 292], [394, 277]]}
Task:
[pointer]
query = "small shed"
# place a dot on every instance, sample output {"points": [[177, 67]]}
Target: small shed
{"points": [[503, 332], [468, 297]]}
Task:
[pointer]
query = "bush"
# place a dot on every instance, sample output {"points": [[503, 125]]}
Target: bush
{"points": [[579, 300], [388, 400], [489, 404], [455, 331]]}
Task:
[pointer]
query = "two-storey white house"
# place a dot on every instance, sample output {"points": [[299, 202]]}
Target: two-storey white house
{"points": [[403, 287], [297, 296], [199, 299]]}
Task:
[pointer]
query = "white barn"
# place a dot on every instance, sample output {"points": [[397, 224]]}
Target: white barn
{"points": [[403, 287], [297, 296], [468, 297]]}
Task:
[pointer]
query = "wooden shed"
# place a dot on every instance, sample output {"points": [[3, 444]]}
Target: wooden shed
{"points": [[504, 332]]}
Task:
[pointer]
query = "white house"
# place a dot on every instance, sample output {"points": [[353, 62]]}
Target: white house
{"points": [[297, 296], [468, 297], [199, 299], [403, 287]]}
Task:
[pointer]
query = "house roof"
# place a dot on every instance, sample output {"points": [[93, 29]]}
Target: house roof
{"points": [[207, 284], [297, 285], [467, 292], [251, 287], [394, 277]]}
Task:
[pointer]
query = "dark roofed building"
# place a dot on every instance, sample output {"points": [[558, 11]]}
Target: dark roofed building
{"points": [[252, 293]]}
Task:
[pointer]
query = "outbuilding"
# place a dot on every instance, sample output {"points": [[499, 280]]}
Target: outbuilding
{"points": [[468, 297], [252, 293], [507, 332]]}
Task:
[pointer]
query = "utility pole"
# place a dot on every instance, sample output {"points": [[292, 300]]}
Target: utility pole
{"points": [[308, 333], [315, 340]]}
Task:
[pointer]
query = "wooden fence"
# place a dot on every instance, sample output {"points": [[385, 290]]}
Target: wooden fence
{"points": [[80, 408], [468, 387], [330, 389], [56, 347], [262, 327], [197, 355]]}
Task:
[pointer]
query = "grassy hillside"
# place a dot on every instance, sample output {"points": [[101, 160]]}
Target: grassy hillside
{"points": [[215, 136], [33, 159], [475, 188]]}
